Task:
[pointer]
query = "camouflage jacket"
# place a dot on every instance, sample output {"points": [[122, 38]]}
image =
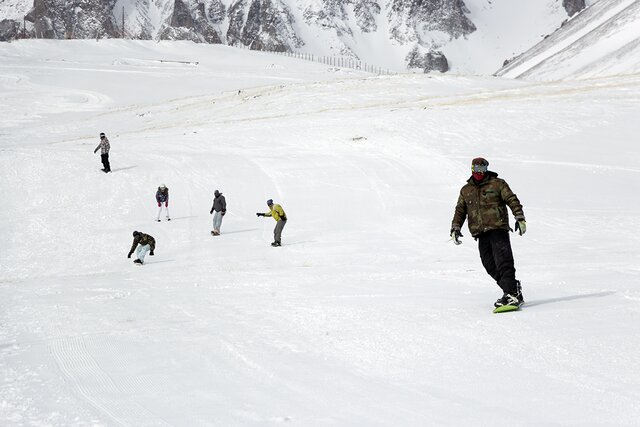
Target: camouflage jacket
{"points": [[485, 204], [143, 239]]}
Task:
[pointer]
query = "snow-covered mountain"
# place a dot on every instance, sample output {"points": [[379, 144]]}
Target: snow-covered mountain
{"points": [[470, 36], [603, 40]]}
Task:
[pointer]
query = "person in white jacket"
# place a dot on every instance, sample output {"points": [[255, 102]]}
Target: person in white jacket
{"points": [[104, 148]]}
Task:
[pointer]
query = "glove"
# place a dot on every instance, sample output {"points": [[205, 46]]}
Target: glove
{"points": [[95, 151], [151, 253], [129, 255], [166, 204], [211, 211], [259, 214], [159, 204], [223, 212], [521, 226], [455, 235]]}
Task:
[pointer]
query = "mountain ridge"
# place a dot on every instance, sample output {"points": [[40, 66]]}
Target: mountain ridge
{"points": [[397, 34]]}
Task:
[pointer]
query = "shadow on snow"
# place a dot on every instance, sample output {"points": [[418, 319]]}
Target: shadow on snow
{"points": [[569, 298], [123, 169]]}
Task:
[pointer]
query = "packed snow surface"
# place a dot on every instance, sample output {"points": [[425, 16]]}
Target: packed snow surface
{"points": [[367, 315]]}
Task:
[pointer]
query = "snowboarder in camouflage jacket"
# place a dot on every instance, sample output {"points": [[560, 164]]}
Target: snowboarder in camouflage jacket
{"points": [[483, 201], [144, 243]]}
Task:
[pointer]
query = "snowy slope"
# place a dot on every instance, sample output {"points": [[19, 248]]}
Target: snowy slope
{"points": [[143, 16], [505, 28], [367, 315], [603, 40], [14, 9]]}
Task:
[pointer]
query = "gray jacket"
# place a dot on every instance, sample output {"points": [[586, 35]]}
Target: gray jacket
{"points": [[219, 204]]}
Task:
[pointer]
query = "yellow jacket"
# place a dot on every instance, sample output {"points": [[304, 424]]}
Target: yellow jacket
{"points": [[276, 212]]}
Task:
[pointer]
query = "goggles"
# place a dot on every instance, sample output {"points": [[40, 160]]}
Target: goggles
{"points": [[478, 168]]}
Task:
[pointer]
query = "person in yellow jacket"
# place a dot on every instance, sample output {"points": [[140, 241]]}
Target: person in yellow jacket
{"points": [[276, 212]]}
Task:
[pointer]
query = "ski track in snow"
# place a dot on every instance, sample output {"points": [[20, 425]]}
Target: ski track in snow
{"points": [[96, 386], [367, 315]]}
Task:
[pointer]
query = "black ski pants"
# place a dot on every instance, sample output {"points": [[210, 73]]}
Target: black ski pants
{"points": [[105, 162], [497, 258]]}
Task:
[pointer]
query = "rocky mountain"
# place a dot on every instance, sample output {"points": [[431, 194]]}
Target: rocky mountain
{"points": [[397, 34]]}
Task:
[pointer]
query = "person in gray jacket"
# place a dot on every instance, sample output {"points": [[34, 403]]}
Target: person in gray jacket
{"points": [[104, 148], [220, 209]]}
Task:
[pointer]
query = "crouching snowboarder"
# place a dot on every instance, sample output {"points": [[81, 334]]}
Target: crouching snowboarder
{"points": [[220, 209], [144, 243], [277, 213], [483, 200], [162, 198]]}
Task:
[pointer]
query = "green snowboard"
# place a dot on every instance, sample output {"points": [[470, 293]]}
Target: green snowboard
{"points": [[506, 308]]}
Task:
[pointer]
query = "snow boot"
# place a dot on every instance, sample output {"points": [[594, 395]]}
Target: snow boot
{"points": [[508, 299], [501, 301], [505, 297], [137, 261], [519, 292]]}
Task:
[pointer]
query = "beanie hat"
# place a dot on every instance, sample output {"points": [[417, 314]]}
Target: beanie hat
{"points": [[479, 165]]}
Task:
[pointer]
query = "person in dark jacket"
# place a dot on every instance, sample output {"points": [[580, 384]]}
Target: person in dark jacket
{"points": [[220, 209], [277, 213], [484, 200], [144, 243], [104, 148], [162, 198]]}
